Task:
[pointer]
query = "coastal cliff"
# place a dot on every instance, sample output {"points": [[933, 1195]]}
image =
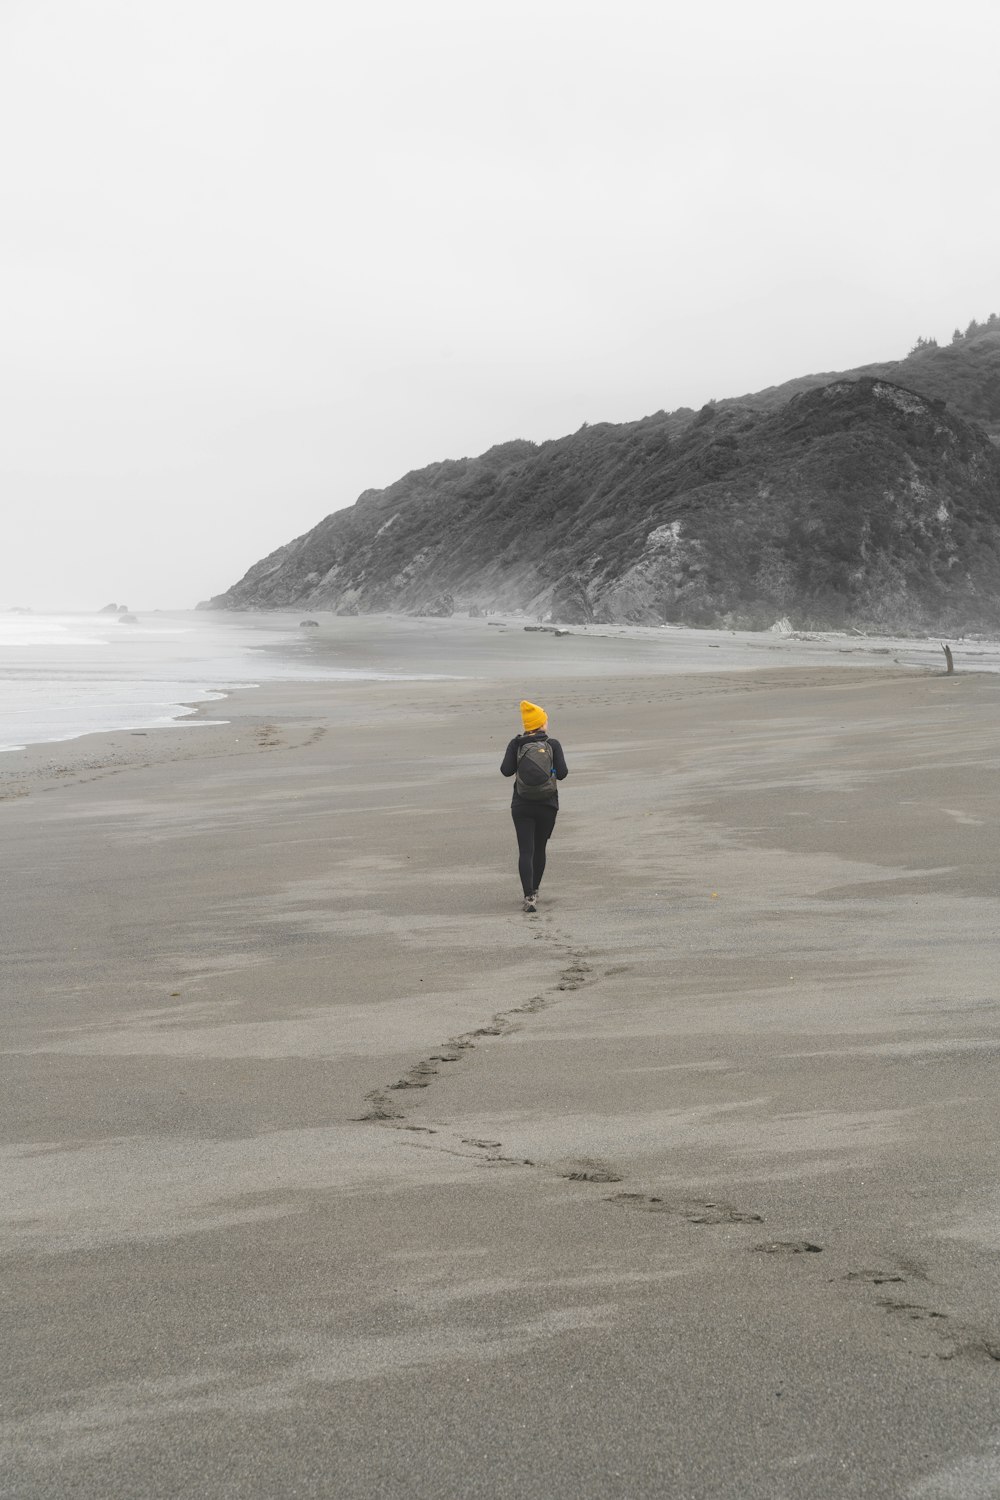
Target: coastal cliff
{"points": [[837, 501]]}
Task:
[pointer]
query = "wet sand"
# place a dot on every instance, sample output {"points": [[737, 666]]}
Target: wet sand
{"points": [[328, 1172]]}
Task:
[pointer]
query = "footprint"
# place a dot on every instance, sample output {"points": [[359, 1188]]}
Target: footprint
{"points": [[497, 1027], [978, 1348], [719, 1213], [589, 1169], [789, 1247], [380, 1108], [914, 1310], [694, 1212], [417, 1078]]}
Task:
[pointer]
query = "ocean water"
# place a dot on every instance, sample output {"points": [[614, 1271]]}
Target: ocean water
{"points": [[62, 676]]}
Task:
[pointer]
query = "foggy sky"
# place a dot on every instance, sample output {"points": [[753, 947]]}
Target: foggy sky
{"points": [[257, 258]]}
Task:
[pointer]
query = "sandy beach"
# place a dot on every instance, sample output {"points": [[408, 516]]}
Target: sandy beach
{"points": [[327, 1172]]}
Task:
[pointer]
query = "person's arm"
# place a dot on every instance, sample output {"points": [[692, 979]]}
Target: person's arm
{"points": [[559, 761], [508, 765]]}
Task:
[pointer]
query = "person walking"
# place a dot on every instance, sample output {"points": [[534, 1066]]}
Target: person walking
{"points": [[537, 763]]}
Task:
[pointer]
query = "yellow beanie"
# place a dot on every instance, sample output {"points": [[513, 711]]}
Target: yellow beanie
{"points": [[532, 717]]}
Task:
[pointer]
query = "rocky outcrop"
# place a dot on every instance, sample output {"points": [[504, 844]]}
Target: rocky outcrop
{"points": [[441, 608], [570, 602]]}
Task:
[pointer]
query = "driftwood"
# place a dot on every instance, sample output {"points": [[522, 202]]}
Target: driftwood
{"points": [[949, 660]]}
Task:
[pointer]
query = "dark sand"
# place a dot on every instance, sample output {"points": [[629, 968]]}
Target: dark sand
{"points": [[693, 1188]]}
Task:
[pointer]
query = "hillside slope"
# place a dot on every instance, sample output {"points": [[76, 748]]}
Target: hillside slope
{"points": [[857, 501], [965, 373]]}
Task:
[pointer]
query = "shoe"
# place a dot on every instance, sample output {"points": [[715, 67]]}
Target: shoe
{"points": [[529, 904]]}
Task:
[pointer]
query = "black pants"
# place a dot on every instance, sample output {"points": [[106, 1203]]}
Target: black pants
{"points": [[534, 827]]}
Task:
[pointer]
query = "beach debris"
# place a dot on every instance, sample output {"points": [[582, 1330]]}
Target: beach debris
{"points": [[948, 658], [782, 626]]}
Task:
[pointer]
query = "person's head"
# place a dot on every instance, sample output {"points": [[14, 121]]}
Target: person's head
{"points": [[532, 717]]}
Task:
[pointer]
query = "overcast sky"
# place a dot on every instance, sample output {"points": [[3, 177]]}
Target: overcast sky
{"points": [[257, 257]]}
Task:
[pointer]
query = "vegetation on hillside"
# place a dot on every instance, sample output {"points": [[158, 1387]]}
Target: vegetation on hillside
{"points": [[856, 501], [964, 372]]}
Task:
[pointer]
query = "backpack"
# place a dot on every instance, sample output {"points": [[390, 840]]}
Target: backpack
{"points": [[535, 772]]}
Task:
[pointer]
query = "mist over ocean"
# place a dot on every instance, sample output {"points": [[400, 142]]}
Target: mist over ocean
{"points": [[65, 675]]}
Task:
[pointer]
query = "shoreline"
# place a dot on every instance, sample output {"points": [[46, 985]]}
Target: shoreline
{"points": [[364, 635]]}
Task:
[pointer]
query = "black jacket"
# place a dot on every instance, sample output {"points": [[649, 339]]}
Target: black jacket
{"points": [[508, 767]]}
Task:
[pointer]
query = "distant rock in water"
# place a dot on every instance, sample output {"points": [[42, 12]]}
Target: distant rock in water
{"points": [[109, 609], [308, 624], [127, 619], [843, 502]]}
